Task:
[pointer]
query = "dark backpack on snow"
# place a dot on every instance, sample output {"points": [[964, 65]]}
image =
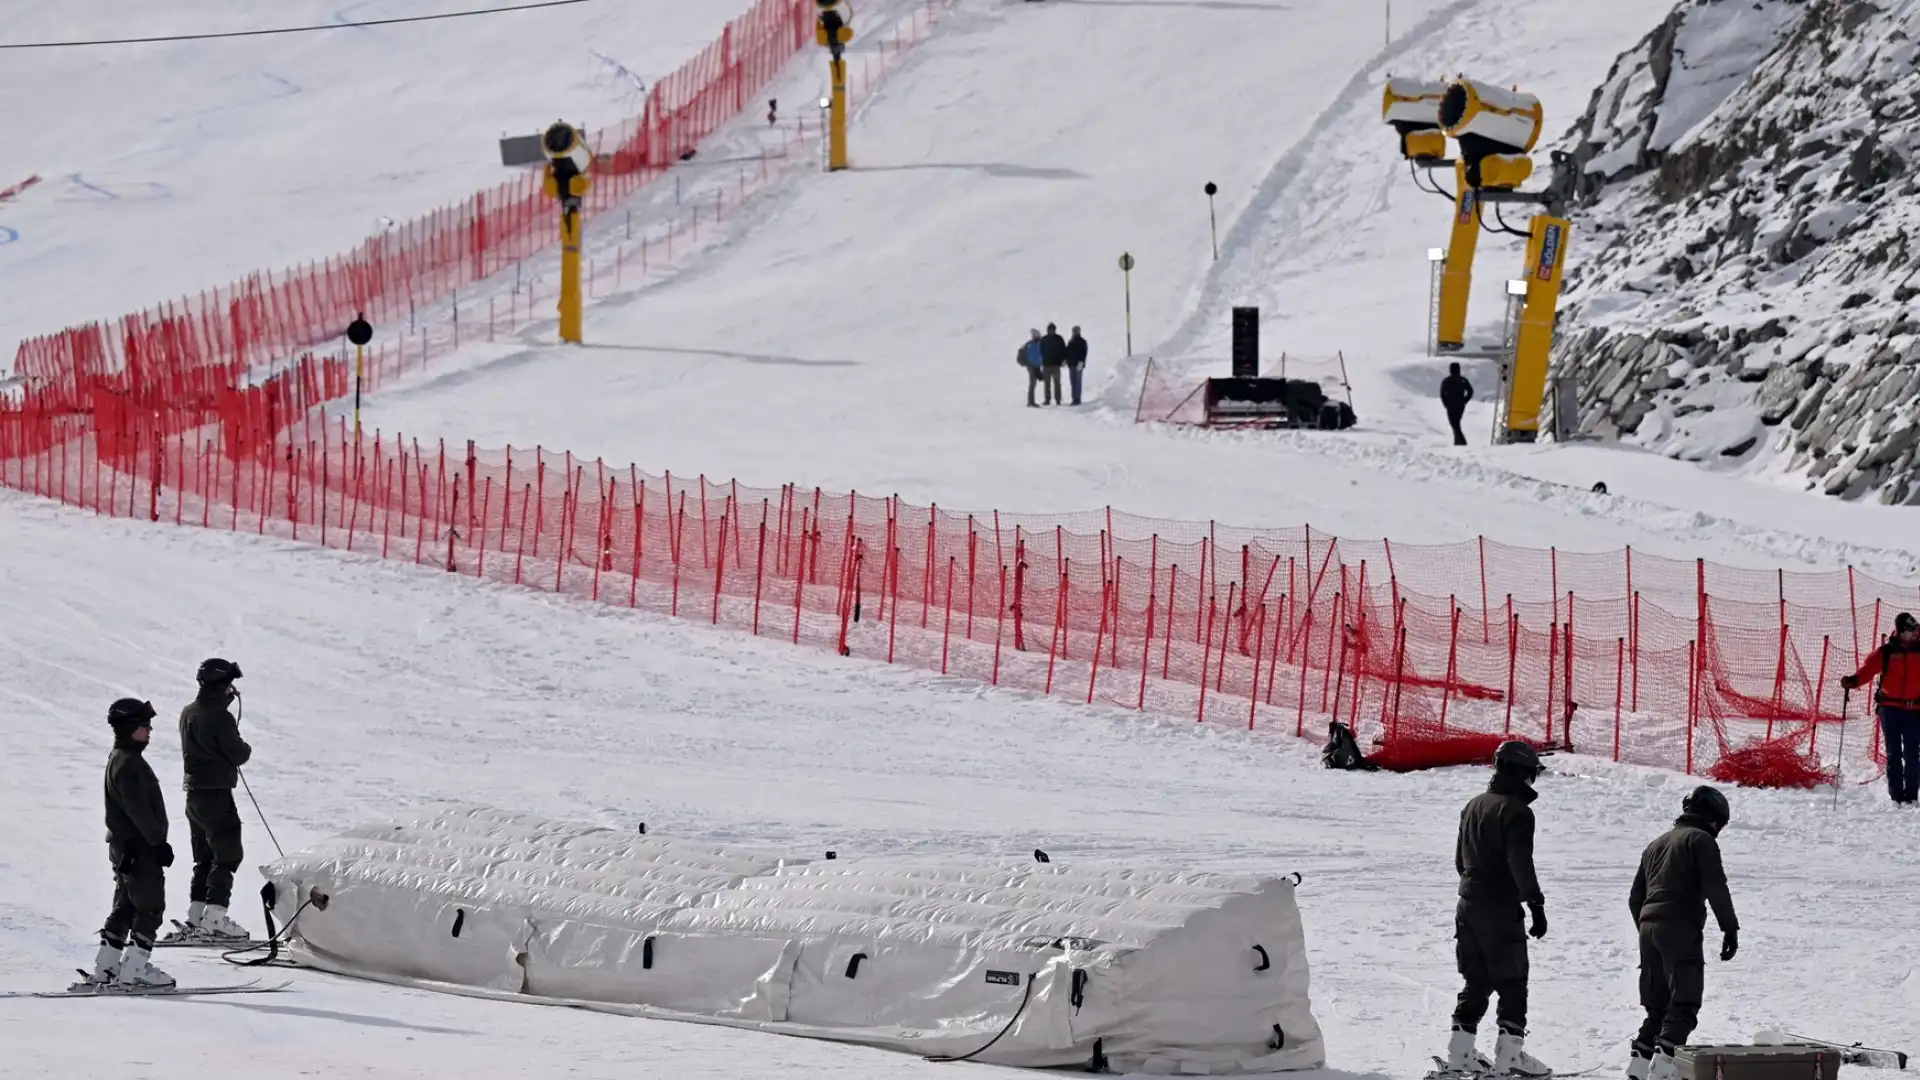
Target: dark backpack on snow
{"points": [[1343, 750]]}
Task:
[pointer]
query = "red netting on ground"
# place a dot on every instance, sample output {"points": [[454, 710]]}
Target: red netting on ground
{"points": [[1168, 400], [1285, 628]]}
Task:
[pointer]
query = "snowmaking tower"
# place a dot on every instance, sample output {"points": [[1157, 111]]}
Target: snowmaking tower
{"points": [[1496, 130]]}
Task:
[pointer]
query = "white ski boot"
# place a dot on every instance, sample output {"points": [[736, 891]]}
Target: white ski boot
{"points": [[1512, 1062], [106, 966], [138, 973], [1463, 1060], [1663, 1066], [1641, 1063], [195, 910], [214, 925]]}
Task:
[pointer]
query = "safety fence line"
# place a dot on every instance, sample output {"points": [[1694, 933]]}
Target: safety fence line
{"points": [[1171, 617], [622, 255], [193, 347]]}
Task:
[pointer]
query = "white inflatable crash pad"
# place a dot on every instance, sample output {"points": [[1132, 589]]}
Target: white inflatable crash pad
{"points": [[1009, 962]]}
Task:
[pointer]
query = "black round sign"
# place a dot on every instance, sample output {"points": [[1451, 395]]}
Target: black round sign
{"points": [[1212, 190], [359, 331]]}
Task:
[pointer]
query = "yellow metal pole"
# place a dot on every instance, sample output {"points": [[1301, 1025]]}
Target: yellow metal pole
{"points": [[1546, 262], [1456, 275], [837, 117], [570, 276]]}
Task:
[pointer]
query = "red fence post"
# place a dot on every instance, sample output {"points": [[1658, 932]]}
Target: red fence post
{"points": [[999, 626], [720, 563], [1206, 657], [1619, 672], [639, 539], [1819, 694], [1696, 658], [799, 579], [1513, 660], [1259, 647], [760, 567], [1099, 637]]}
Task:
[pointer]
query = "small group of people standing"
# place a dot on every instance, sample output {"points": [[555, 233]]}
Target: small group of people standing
{"points": [[212, 753], [1044, 355], [1679, 878]]}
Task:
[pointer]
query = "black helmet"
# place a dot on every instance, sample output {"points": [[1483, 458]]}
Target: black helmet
{"points": [[1707, 803], [1518, 758], [130, 713], [217, 671], [1904, 623]]}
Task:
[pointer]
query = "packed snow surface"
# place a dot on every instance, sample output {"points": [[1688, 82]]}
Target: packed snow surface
{"points": [[173, 167], [374, 686], [856, 331]]}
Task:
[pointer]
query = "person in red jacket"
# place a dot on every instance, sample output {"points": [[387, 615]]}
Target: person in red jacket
{"points": [[1897, 664]]}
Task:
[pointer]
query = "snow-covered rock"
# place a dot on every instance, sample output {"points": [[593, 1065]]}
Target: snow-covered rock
{"points": [[1751, 241]]}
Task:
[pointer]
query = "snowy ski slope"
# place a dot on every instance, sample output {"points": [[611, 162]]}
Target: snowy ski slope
{"points": [[169, 168], [371, 682], [857, 331], [854, 331]]}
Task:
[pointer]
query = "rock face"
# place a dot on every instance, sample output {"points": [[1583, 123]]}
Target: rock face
{"points": [[1747, 243]]}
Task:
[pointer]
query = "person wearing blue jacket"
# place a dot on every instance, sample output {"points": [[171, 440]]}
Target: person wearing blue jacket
{"points": [[1032, 357]]}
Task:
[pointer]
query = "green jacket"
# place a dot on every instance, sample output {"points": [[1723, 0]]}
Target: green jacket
{"points": [[136, 811], [211, 748]]}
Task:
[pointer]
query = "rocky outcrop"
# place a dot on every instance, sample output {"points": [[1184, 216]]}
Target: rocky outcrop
{"points": [[1748, 244]]}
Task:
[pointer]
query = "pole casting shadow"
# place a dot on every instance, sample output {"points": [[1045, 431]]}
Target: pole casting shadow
{"points": [[750, 358]]}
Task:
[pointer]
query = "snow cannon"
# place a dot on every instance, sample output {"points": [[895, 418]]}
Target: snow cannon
{"points": [[832, 30], [1412, 107], [1496, 130], [566, 182]]}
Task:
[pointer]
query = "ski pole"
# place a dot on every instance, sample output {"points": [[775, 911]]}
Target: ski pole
{"points": [[256, 809], [241, 707], [1840, 761]]}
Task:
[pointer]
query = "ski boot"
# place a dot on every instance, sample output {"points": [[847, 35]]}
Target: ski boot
{"points": [[1464, 1061], [187, 932], [137, 972], [1512, 1062], [216, 927], [1641, 1062], [106, 967], [1663, 1066]]}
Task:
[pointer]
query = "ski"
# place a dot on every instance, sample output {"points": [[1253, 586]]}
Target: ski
{"points": [[1854, 1054], [185, 936], [210, 943], [1441, 1072], [84, 991]]}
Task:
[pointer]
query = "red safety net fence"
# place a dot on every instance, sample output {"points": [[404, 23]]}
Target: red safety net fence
{"points": [[1432, 654], [207, 412], [192, 348]]}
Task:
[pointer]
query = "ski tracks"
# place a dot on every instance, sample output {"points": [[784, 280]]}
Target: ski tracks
{"points": [[1299, 162]]}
